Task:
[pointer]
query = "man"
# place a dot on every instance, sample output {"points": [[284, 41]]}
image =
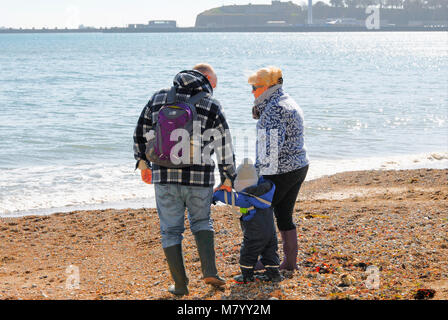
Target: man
{"points": [[190, 187]]}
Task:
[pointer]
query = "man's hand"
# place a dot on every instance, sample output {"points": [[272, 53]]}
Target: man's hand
{"points": [[226, 186], [145, 172], [146, 176]]}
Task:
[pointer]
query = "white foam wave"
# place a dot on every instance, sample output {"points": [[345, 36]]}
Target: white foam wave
{"points": [[49, 189], [434, 160]]}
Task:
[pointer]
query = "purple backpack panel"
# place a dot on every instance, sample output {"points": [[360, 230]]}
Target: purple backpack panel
{"points": [[172, 116]]}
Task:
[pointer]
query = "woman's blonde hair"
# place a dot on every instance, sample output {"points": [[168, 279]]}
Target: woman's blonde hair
{"points": [[269, 77]]}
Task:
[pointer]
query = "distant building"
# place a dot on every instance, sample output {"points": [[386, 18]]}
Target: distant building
{"points": [[163, 23], [155, 24], [344, 22], [277, 13], [137, 26]]}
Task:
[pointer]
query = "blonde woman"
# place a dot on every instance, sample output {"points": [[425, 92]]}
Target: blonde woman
{"points": [[280, 121]]}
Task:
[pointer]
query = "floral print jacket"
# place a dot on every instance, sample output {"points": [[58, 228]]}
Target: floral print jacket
{"points": [[280, 133]]}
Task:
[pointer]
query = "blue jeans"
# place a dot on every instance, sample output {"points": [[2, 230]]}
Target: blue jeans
{"points": [[172, 200]]}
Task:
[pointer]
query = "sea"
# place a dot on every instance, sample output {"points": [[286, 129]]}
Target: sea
{"points": [[69, 104]]}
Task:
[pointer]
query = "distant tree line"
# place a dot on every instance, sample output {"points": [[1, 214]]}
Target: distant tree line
{"points": [[395, 4]]}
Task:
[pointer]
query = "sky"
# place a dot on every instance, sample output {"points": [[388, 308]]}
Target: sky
{"points": [[106, 13]]}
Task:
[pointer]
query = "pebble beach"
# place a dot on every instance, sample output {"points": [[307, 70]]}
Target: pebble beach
{"points": [[362, 235]]}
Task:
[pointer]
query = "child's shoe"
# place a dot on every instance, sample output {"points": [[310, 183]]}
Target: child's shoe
{"points": [[246, 276], [271, 275]]}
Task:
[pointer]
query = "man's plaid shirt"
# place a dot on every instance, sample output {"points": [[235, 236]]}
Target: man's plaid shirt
{"points": [[189, 83]]}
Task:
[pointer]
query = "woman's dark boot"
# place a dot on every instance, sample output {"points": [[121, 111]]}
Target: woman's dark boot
{"points": [[175, 260], [290, 249], [206, 248]]}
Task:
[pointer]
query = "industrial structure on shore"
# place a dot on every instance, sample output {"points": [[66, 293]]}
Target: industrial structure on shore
{"points": [[289, 14]]}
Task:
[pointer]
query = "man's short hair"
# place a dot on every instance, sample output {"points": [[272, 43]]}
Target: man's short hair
{"points": [[204, 68]]}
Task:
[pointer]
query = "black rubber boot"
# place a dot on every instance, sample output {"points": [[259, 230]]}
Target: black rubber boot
{"points": [[175, 260], [246, 276], [205, 243], [271, 274]]}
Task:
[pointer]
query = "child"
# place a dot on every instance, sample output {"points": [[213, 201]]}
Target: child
{"points": [[254, 197]]}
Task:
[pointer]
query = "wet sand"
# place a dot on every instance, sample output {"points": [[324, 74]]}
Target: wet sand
{"points": [[395, 222]]}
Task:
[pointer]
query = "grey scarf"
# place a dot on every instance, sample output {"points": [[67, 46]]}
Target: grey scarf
{"points": [[261, 102]]}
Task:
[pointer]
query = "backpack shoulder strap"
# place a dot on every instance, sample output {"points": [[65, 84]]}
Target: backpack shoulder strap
{"points": [[171, 96], [196, 98], [266, 202], [170, 99]]}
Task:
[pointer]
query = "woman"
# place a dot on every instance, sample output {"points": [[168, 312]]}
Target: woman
{"points": [[280, 139]]}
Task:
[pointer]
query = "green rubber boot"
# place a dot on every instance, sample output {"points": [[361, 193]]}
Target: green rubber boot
{"points": [[175, 260], [206, 248]]}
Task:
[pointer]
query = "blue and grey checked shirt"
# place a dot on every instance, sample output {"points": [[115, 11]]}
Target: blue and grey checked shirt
{"points": [[189, 83]]}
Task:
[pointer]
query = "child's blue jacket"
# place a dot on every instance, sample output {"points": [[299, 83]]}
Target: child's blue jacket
{"points": [[255, 197]]}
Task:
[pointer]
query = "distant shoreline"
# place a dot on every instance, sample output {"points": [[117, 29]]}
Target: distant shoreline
{"points": [[232, 29]]}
